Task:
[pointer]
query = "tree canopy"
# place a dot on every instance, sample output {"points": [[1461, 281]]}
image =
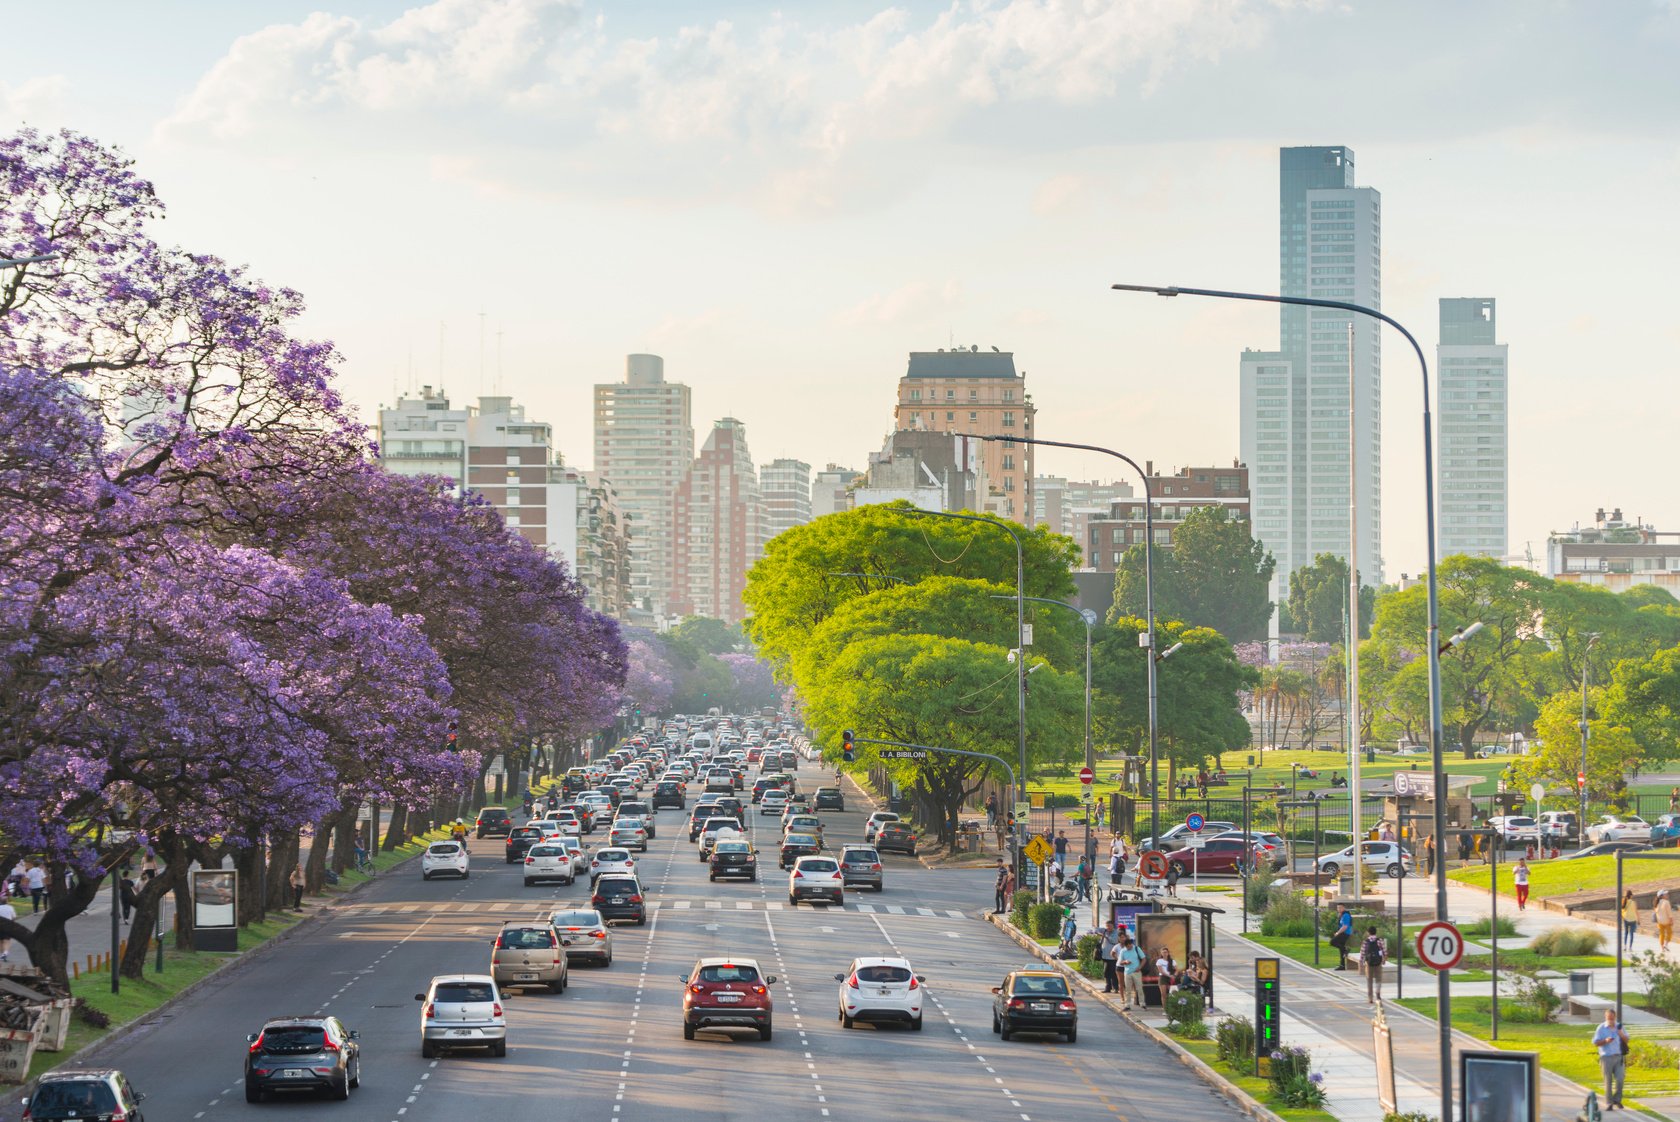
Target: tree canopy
{"points": [[1215, 574], [1318, 600]]}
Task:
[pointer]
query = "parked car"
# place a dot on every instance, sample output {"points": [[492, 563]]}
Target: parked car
{"points": [[1614, 827], [528, 954], [1665, 831], [1558, 824], [881, 991], [896, 837], [1034, 1001], [1225, 856], [727, 993], [1388, 858], [443, 859], [462, 1011], [1181, 835], [1628, 845], [494, 821], [1515, 829], [84, 1093], [1272, 849], [583, 934]]}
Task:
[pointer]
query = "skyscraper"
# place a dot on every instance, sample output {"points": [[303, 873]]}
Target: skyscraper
{"points": [[1295, 401], [979, 392], [785, 486], [717, 527], [644, 445], [1472, 439]]}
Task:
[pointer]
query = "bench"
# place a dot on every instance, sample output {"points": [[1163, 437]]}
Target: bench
{"points": [[1588, 1004]]}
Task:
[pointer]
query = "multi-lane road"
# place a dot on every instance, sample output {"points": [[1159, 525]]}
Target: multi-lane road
{"points": [[610, 1049]]}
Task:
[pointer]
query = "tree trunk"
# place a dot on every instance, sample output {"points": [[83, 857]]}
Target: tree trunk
{"points": [[315, 869], [148, 900], [247, 862], [282, 859], [396, 832], [344, 839], [183, 897], [48, 945]]}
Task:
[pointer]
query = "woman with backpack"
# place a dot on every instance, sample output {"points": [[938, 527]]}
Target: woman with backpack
{"points": [[1373, 953]]}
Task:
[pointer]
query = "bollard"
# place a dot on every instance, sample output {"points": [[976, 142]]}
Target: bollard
{"points": [[75, 972]]}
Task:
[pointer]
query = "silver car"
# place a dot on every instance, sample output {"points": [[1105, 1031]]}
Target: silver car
{"points": [[584, 934], [528, 955], [860, 865], [462, 1011]]}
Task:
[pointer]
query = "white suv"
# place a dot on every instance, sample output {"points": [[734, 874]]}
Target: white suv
{"points": [[462, 1011], [611, 860], [874, 990], [816, 878], [444, 859], [549, 860]]}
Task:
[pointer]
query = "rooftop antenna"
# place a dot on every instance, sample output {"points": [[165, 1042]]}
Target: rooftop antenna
{"points": [[481, 352], [441, 329], [498, 361]]}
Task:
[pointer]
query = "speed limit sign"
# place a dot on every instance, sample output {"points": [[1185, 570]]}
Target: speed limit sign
{"points": [[1439, 945]]}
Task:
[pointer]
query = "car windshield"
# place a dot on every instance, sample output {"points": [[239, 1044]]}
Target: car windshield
{"points": [[526, 832], [852, 856], [616, 884], [292, 1039], [526, 939], [575, 919], [548, 851], [613, 855], [728, 974], [799, 839], [822, 865], [464, 992], [732, 847], [1041, 985], [82, 1095], [883, 974], [444, 849]]}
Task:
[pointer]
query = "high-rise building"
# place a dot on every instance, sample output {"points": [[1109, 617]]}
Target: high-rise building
{"points": [[831, 489], [1297, 416], [1068, 506], [1615, 553], [980, 392], [424, 436], [785, 487], [644, 445], [1472, 409], [932, 470], [1110, 534], [717, 530]]}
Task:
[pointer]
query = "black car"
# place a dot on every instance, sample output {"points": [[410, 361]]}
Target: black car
{"points": [[795, 846], [1034, 1001], [302, 1054], [830, 798], [494, 821], [84, 1093], [520, 839], [731, 806], [1602, 848], [618, 896], [670, 793], [896, 836], [734, 858]]}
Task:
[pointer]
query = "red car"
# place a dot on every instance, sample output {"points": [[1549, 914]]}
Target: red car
{"points": [[727, 993], [1216, 855]]}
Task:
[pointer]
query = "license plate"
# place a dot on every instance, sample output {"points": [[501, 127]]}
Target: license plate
{"points": [[726, 997], [883, 993], [616, 900], [463, 1032], [1040, 1007], [526, 977], [293, 1073]]}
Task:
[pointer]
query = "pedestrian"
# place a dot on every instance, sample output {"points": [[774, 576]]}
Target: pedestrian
{"points": [[1429, 855], [1082, 877], [991, 809], [1130, 960], [1070, 929], [297, 887], [1196, 974], [1165, 973], [1116, 866], [1674, 798], [1464, 846], [1343, 935], [125, 894], [1519, 877], [1002, 902], [1373, 953], [35, 877], [1630, 919], [1611, 1041], [8, 914], [1061, 847], [1102, 815], [1663, 913], [148, 866], [1107, 949], [1172, 878], [1386, 833]]}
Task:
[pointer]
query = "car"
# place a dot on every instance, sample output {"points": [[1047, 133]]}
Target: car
{"points": [[762, 784], [1387, 857], [727, 993], [896, 836], [795, 846], [1216, 855], [1271, 848], [1515, 829], [1626, 845], [702, 814], [716, 828], [462, 1011], [729, 804], [565, 824], [873, 823], [597, 802], [494, 821], [629, 832], [549, 860], [84, 1093], [1181, 835], [1614, 827], [583, 934], [1034, 1001], [583, 812], [444, 858], [549, 827], [816, 878], [620, 896], [643, 813], [860, 865], [802, 824], [521, 839], [528, 955], [612, 794], [733, 857], [610, 859], [1665, 831], [829, 798], [881, 991], [773, 801], [670, 792], [1558, 824]]}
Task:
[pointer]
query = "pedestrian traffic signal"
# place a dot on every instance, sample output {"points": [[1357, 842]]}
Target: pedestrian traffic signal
{"points": [[848, 750], [449, 742]]}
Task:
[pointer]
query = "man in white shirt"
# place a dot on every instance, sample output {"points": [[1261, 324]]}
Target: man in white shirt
{"points": [[7, 912], [35, 879]]}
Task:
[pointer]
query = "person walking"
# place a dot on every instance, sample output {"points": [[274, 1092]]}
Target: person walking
{"points": [[1070, 930], [1464, 847], [296, 882], [1001, 905], [125, 894], [8, 913], [1060, 845], [991, 809], [1130, 959], [1429, 855], [1082, 878], [1343, 935], [1519, 877], [1611, 1041], [1663, 914], [1102, 815], [35, 879], [1116, 867], [1172, 879], [1630, 919], [1373, 953], [1106, 950]]}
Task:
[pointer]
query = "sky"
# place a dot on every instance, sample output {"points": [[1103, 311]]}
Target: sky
{"points": [[784, 202]]}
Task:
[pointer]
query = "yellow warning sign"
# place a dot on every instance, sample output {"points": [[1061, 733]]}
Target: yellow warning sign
{"points": [[1039, 850]]}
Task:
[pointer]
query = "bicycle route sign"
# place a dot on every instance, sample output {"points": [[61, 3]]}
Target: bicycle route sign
{"points": [[1194, 822], [1038, 851], [1439, 945]]}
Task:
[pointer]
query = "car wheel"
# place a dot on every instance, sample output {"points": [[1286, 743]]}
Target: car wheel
{"points": [[845, 1021], [428, 1050], [688, 1031], [1395, 871], [1072, 1035], [995, 1026], [425, 876], [793, 901], [499, 1048], [840, 900], [253, 1093], [916, 1025], [713, 878], [1330, 869], [606, 962], [529, 882], [341, 1089], [641, 921], [764, 1032], [753, 878], [911, 852], [1177, 868], [557, 987], [1005, 1031], [356, 1073]]}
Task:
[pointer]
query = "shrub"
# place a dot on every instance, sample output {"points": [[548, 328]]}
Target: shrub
{"points": [[1184, 1014], [1662, 983], [1234, 1041], [1481, 929], [1087, 946], [1259, 895], [1287, 914], [1018, 906], [1536, 1001], [1567, 942], [1045, 920], [1408, 1116], [1294, 1083], [1649, 1054]]}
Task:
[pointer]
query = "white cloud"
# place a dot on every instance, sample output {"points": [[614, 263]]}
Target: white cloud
{"points": [[33, 98], [905, 305]]}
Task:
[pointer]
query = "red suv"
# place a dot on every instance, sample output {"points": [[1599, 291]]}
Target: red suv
{"points": [[1216, 855], [727, 993]]}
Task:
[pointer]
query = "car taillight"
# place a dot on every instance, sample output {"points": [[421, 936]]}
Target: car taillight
{"points": [[913, 982], [1066, 1006], [598, 934], [529, 860], [875, 868], [852, 982], [635, 899], [329, 1045], [431, 1010], [696, 988], [1016, 1003], [760, 990], [797, 875], [256, 1045], [594, 864]]}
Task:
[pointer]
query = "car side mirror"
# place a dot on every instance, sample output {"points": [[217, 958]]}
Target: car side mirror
{"points": [[139, 1096], [769, 979], [250, 1038], [921, 979], [355, 1035], [839, 977], [419, 997], [683, 978], [997, 989]]}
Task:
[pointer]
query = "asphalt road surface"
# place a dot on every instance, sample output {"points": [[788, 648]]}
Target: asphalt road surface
{"points": [[610, 1049]]}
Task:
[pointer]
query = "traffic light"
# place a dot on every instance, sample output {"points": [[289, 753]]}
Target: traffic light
{"points": [[449, 742], [847, 749]]}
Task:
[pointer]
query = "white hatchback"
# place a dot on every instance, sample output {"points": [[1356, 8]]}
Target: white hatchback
{"points": [[574, 847], [549, 860], [881, 990], [773, 801], [444, 859], [611, 860]]}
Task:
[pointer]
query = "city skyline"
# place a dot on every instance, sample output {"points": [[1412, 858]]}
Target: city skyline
{"points": [[1033, 158]]}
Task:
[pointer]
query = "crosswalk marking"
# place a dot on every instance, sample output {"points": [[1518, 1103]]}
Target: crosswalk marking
{"points": [[895, 909], [926, 912], [714, 905], [866, 909], [682, 905], [743, 905], [520, 909]]}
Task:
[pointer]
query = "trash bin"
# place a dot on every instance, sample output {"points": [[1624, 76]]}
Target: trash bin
{"points": [[1580, 983]]}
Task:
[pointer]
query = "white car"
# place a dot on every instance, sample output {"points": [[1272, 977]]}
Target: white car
{"points": [[773, 801], [444, 859], [877, 990], [1515, 828], [875, 822], [614, 860], [462, 1011], [602, 805], [549, 861], [1557, 823], [1388, 858], [816, 877], [715, 830], [574, 848], [1618, 827], [629, 832], [549, 827]]}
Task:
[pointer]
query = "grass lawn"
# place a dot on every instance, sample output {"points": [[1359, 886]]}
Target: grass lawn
{"points": [[1261, 1089], [1557, 878], [1299, 949], [1563, 1049]]}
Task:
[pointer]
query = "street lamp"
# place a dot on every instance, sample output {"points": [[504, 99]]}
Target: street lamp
{"points": [[1443, 988], [1147, 639], [1586, 667], [18, 262]]}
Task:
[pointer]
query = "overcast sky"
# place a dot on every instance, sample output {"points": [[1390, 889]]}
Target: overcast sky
{"points": [[784, 202]]}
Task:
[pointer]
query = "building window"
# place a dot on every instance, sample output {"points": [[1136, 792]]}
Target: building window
{"points": [[915, 395], [973, 418], [513, 496], [1009, 395], [915, 419], [950, 395], [974, 395], [949, 416], [1008, 462], [1009, 419]]}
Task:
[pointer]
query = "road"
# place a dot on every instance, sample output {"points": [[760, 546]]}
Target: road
{"points": [[611, 1049]]}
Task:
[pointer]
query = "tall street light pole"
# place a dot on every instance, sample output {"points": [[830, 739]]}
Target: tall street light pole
{"points": [[1433, 645], [1147, 639], [1586, 668]]}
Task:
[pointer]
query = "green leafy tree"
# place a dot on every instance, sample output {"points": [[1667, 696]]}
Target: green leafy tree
{"points": [[1614, 752], [1215, 574], [1318, 598], [1644, 696], [706, 635]]}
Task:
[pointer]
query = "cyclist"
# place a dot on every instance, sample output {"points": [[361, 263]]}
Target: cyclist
{"points": [[458, 831]]}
